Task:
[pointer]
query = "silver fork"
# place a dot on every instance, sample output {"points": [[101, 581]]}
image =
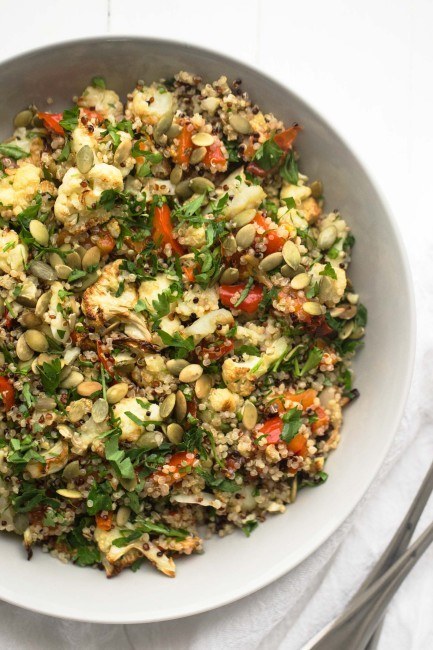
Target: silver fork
{"points": [[359, 626]]}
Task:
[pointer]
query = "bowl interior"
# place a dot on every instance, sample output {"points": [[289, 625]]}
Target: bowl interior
{"points": [[235, 566]]}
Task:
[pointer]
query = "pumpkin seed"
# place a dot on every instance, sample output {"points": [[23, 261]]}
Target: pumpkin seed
{"points": [[45, 404], [70, 494], [91, 257], [174, 131], [36, 340], [249, 415], [191, 373], [27, 296], [174, 366], [85, 159], [100, 410], [2, 358], [23, 118], [2, 307], [21, 522], [72, 470], [162, 126], [150, 439], [346, 330], [245, 236], [116, 393], [175, 433], [353, 298], [349, 312], [358, 333], [287, 272], [243, 218], [291, 254], [122, 152], [240, 124], [197, 155], [73, 260], [201, 185], [29, 319], [73, 380], [202, 139], [122, 515], [203, 386], [316, 188], [167, 406], [176, 175], [326, 289], [312, 308], [327, 238], [55, 260], [270, 262], [183, 190], [42, 271], [87, 388], [39, 232], [300, 281], [85, 283], [230, 276], [229, 245], [24, 352], [294, 490], [181, 406], [63, 271], [65, 372]]}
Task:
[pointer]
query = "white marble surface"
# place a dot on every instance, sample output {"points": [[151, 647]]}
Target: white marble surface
{"points": [[367, 66]]}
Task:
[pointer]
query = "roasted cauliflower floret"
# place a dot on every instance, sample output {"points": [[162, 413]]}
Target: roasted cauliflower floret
{"points": [[331, 289], [13, 254], [237, 375], [19, 188], [192, 236], [207, 324], [222, 399], [82, 137], [298, 193], [150, 103], [55, 460], [76, 205], [246, 197], [103, 101], [131, 430], [197, 301], [151, 290], [61, 314]]}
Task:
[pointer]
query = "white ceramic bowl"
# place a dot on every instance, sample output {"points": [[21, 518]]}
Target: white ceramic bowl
{"points": [[234, 566]]}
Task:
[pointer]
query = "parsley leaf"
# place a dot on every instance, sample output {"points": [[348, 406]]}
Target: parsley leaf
{"points": [[268, 155], [50, 375], [116, 456], [99, 82], [292, 423], [289, 171], [99, 498], [249, 526], [245, 292], [329, 271], [11, 151], [313, 360], [65, 152], [184, 346], [70, 118], [218, 482]]}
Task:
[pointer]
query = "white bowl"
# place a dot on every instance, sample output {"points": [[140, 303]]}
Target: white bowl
{"points": [[234, 566]]}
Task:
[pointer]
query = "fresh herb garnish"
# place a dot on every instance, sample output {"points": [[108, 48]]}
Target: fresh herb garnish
{"points": [[12, 151], [292, 421]]}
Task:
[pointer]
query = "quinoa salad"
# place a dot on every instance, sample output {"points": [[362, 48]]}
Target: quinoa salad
{"points": [[177, 322]]}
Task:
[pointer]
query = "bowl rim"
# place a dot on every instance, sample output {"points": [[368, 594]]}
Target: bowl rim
{"points": [[283, 567]]}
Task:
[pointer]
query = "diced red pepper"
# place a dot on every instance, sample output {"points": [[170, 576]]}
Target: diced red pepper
{"points": [[7, 392], [8, 320], [181, 462], [93, 115], [104, 241], [216, 350], [163, 229], [189, 272], [185, 146], [274, 243], [272, 429], [104, 521], [286, 138], [215, 157], [251, 302], [51, 121], [322, 419]]}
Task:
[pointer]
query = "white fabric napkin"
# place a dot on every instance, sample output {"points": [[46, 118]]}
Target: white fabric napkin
{"points": [[286, 614]]}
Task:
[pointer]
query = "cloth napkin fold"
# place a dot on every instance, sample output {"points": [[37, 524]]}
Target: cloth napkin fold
{"points": [[287, 613]]}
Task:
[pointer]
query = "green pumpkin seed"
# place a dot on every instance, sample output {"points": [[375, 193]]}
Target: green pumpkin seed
{"points": [[2, 307], [348, 312], [316, 188], [201, 185], [100, 410], [30, 320], [167, 406], [229, 245], [346, 330], [249, 415], [73, 260], [287, 272], [312, 308], [357, 333], [122, 152], [45, 404], [229, 276], [181, 406], [85, 159], [327, 238], [55, 259], [70, 494], [240, 124], [294, 490], [42, 271], [174, 131], [270, 262], [122, 515], [197, 155], [176, 175], [175, 433], [243, 218], [72, 470], [202, 139], [245, 236], [85, 283], [63, 271], [23, 118], [36, 340], [116, 393], [91, 257], [162, 126], [183, 190], [21, 522], [291, 254], [174, 366], [191, 373], [202, 386], [39, 232], [73, 380], [300, 281], [24, 352], [150, 439]]}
